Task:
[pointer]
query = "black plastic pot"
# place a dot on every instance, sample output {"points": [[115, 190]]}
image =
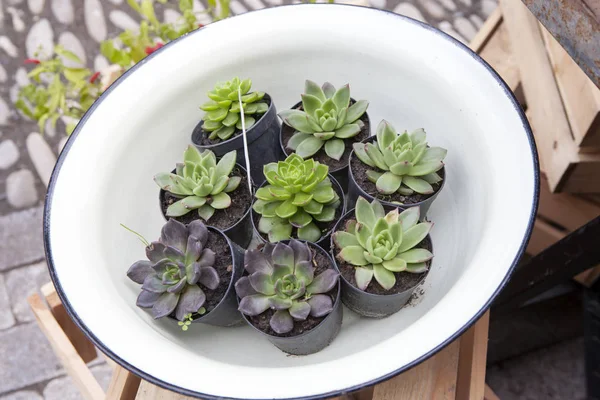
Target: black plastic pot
{"points": [[324, 241], [370, 304], [354, 191], [263, 146], [341, 174], [317, 338], [240, 233]]}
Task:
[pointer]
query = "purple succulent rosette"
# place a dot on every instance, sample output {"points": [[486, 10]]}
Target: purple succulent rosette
{"points": [[282, 277], [176, 264]]}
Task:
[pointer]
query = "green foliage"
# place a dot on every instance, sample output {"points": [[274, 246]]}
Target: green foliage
{"points": [[57, 90], [200, 182], [326, 120], [223, 116], [380, 245], [409, 165], [298, 192]]}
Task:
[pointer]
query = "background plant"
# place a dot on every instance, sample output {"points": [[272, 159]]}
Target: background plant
{"points": [[201, 181], [327, 118], [176, 264], [298, 191], [378, 245], [223, 116], [282, 277], [408, 164]]}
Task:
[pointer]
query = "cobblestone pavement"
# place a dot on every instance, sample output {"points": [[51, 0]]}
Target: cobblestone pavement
{"points": [[28, 368]]}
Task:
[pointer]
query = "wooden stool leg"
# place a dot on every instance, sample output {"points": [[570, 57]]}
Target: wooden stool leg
{"points": [[123, 385], [470, 384]]}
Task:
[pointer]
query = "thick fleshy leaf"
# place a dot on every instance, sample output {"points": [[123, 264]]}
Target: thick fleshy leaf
{"points": [[278, 230], [380, 226], [310, 233], [395, 265], [425, 168], [432, 178], [385, 278], [286, 209], [205, 212], [328, 89], [279, 303], [256, 261], [373, 176], [302, 199], [335, 148], [434, 154], [192, 298], [414, 256], [413, 236], [353, 255], [300, 219], [361, 153], [305, 271], [139, 271], [356, 110], [254, 305], [341, 98], [301, 251], [393, 216], [173, 253], [281, 322], [226, 164], [146, 299], [310, 103], [324, 135], [309, 147], [363, 234], [225, 132], [198, 230], [193, 249], [220, 201], [373, 258], [175, 234], [299, 310], [416, 268], [364, 213], [344, 239], [323, 282], [376, 156], [347, 131], [155, 252], [203, 189], [363, 276], [283, 255], [324, 194], [385, 134], [191, 202], [313, 89], [313, 207], [154, 284], [418, 136], [378, 209], [401, 168], [296, 139], [261, 282], [320, 305], [243, 287], [418, 185], [409, 217], [231, 119], [388, 183], [209, 277], [165, 305], [232, 184], [297, 120]]}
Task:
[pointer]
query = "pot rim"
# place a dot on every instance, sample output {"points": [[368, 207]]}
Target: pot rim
{"points": [[323, 237], [337, 298], [388, 203], [285, 152], [238, 136], [375, 295], [240, 221]]}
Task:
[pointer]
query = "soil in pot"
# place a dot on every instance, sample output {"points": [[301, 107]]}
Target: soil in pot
{"points": [[359, 172], [404, 280], [261, 321], [322, 157], [241, 200], [203, 136]]}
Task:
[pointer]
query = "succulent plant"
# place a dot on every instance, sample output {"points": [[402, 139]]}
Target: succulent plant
{"points": [[378, 245], [327, 119], [298, 191], [223, 110], [281, 277], [176, 264], [408, 164], [201, 181]]}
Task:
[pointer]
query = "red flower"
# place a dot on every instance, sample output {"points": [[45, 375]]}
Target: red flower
{"points": [[32, 61], [150, 50], [94, 77], [200, 25]]}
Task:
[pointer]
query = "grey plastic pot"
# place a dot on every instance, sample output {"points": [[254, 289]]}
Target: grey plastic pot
{"points": [[354, 191], [369, 304], [341, 174], [324, 241], [263, 146], [240, 233], [321, 335]]}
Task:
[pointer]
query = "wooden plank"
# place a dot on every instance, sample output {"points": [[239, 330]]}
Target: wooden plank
{"points": [[432, 379], [64, 350], [553, 133], [584, 176], [580, 96], [123, 385], [470, 382], [82, 344], [543, 236], [148, 391], [487, 31], [489, 394]]}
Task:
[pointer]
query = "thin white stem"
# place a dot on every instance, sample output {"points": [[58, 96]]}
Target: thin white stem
{"points": [[247, 157]]}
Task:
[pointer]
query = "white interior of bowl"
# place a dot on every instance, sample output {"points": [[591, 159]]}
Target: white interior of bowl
{"points": [[413, 76]]}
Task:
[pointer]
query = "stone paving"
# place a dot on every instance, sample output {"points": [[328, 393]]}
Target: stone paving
{"points": [[28, 368]]}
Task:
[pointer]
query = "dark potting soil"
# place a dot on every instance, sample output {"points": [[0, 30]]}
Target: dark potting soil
{"points": [[224, 266], [404, 280], [205, 141], [322, 157], [241, 200], [359, 171], [325, 227], [261, 321]]}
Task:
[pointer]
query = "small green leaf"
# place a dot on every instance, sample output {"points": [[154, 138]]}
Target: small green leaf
{"points": [[376, 156], [413, 236], [311, 88], [220, 201], [310, 103], [414, 256], [297, 120], [341, 98], [225, 132], [418, 185], [231, 119], [324, 194], [296, 139], [324, 135], [384, 277], [286, 209], [205, 212], [363, 276], [301, 199], [409, 217], [416, 268], [395, 265], [233, 184], [300, 219], [309, 147], [356, 110], [361, 153], [353, 255], [388, 183], [248, 122], [347, 131], [425, 168], [432, 178], [335, 148], [364, 213], [310, 233], [344, 239]]}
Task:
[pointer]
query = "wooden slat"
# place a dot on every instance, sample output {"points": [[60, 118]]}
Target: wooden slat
{"points": [[580, 96], [489, 394], [553, 133], [84, 347], [432, 379], [487, 31], [148, 391], [123, 385], [470, 382], [583, 176], [64, 350]]}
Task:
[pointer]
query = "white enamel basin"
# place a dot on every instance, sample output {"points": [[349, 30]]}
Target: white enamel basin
{"points": [[413, 75]]}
